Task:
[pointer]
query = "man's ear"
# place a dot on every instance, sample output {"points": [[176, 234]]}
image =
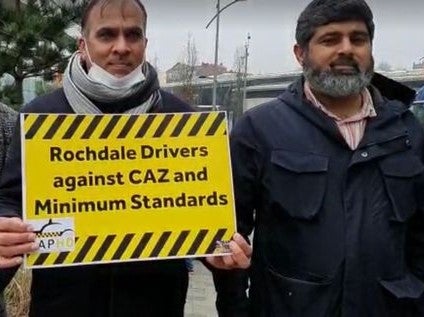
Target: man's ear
{"points": [[81, 44], [299, 52], [145, 50], [81, 48]]}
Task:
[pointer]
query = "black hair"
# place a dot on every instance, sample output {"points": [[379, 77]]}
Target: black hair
{"points": [[103, 3], [323, 12]]}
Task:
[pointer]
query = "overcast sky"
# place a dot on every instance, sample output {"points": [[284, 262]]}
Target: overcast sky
{"points": [[399, 37]]}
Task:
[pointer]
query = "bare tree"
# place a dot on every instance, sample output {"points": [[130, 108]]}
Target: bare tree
{"points": [[155, 62], [187, 72], [384, 66], [236, 103]]}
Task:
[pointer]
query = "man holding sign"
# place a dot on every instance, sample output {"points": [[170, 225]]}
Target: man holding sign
{"points": [[330, 177], [108, 74]]}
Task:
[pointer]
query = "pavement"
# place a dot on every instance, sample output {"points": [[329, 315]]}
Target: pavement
{"points": [[201, 293]]}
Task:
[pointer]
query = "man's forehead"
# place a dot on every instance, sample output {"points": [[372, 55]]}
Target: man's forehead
{"points": [[345, 27], [114, 14]]}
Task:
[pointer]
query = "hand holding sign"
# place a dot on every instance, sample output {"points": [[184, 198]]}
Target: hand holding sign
{"points": [[241, 252], [16, 238]]}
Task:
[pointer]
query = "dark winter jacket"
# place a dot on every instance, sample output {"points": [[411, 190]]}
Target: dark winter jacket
{"points": [[338, 232], [7, 122], [156, 288]]}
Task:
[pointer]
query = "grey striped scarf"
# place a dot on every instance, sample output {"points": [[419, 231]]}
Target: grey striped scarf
{"points": [[80, 90]]}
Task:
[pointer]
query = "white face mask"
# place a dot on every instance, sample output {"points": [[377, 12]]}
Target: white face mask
{"points": [[101, 76]]}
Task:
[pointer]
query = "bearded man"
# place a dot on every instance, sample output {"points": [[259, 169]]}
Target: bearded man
{"points": [[330, 178]]}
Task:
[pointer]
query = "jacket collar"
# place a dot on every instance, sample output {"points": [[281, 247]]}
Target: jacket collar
{"points": [[391, 99]]}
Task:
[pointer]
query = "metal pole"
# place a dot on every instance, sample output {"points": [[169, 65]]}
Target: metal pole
{"points": [[215, 79], [246, 57], [223, 8]]}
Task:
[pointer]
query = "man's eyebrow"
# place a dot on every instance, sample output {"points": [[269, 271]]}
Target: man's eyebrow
{"points": [[329, 34], [134, 29], [361, 33], [126, 29], [332, 33], [106, 29], [337, 33]]}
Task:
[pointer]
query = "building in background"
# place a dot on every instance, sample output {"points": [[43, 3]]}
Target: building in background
{"points": [[419, 65], [205, 70]]}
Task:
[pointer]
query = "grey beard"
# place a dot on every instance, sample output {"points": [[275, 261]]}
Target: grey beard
{"points": [[336, 85]]}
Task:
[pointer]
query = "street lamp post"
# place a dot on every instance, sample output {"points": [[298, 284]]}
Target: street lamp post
{"points": [[215, 75], [246, 58]]}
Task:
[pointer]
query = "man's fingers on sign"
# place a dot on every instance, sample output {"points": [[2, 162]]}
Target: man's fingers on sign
{"points": [[239, 258], [6, 263], [241, 252], [16, 238], [13, 225], [18, 249], [14, 232], [242, 243]]}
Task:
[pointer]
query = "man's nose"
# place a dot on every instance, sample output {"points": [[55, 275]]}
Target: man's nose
{"points": [[121, 46], [345, 46]]}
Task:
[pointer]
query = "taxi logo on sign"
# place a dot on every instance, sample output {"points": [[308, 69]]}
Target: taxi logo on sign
{"points": [[53, 235]]}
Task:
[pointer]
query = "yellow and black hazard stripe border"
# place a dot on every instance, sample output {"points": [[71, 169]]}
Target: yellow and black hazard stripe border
{"points": [[94, 249], [65, 127]]}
